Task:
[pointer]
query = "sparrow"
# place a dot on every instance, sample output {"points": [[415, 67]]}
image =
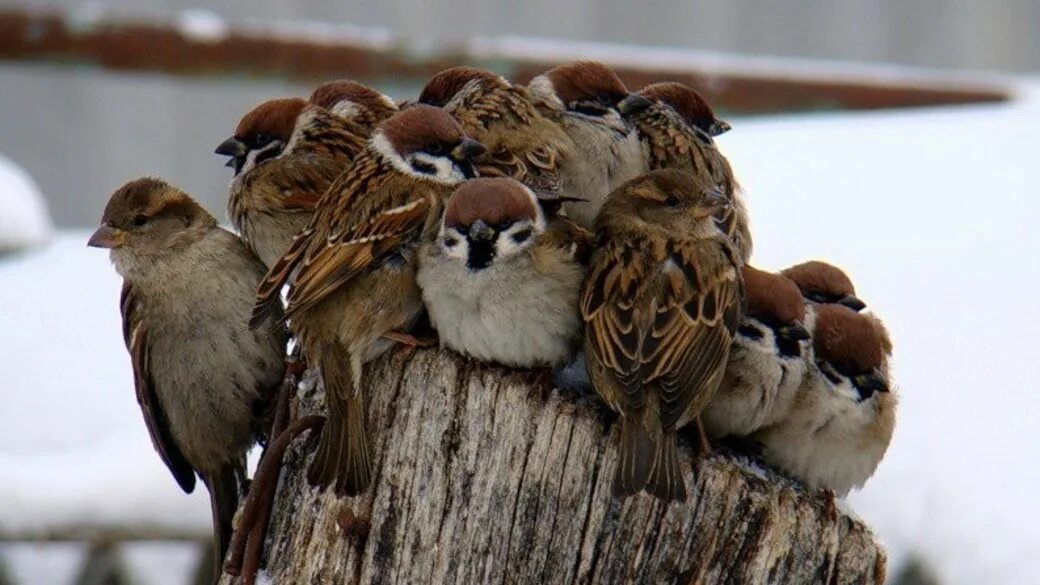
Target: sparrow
{"points": [[202, 377], [355, 102], [582, 98], [353, 290], [676, 126], [660, 304], [841, 421], [521, 143], [821, 282], [285, 153], [500, 282], [766, 364]]}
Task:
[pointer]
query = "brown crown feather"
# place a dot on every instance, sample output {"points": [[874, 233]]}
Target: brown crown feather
{"points": [[492, 200], [772, 296], [684, 100], [150, 197], [820, 277], [445, 85], [586, 80], [331, 93], [419, 126], [847, 339], [275, 117]]}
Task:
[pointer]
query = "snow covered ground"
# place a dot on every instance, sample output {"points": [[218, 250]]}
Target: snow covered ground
{"points": [[24, 221], [929, 211]]}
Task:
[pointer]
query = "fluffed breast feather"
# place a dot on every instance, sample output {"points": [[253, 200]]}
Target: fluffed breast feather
{"points": [[653, 316]]}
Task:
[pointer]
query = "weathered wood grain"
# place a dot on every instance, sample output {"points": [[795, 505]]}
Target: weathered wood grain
{"points": [[486, 475]]}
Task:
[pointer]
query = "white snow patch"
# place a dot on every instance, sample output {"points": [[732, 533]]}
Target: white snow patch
{"points": [[24, 221], [74, 450], [202, 25]]}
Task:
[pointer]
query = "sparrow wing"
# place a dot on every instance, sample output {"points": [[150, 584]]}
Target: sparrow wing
{"points": [[566, 234], [297, 181], [356, 236], [135, 334], [608, 307], [696, 307]]}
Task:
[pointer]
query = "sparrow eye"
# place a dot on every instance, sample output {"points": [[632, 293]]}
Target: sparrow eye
{"points": [[261, 139], [504, 225], [521, 236], [436, 149], [672, 201], [140, 219]]}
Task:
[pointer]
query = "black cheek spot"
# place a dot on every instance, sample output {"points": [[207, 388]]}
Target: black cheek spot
{"points": [[521, 236], [424, 168], [450, 242], [789, 348], [750, 331]]}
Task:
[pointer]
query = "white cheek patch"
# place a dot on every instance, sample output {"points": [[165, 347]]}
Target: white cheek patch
{"points": [[506, 246], [446, 172], [381, 145], [458, 251]]}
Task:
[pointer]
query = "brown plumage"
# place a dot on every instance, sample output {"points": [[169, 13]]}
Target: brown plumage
{"points": [[521, 143], [582, 99], [354, 271], [660, 305], [470, 202], [671, 141], [852, 342], [821, 282], [772, 296], [355, 102], [286, 153], [201, 377], [689, 104]]}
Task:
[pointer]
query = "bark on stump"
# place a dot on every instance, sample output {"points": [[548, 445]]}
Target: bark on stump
{"points": [[487, 475]]}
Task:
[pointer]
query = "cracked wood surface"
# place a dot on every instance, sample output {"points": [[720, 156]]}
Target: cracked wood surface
{"points": [[486, 475]]}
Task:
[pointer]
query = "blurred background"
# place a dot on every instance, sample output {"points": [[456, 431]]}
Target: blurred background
{"points": [[890, 137]]}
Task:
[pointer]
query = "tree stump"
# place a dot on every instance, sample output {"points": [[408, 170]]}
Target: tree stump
{"points": [[488, 475]]}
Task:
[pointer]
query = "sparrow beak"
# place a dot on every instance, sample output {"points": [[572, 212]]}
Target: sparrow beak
{"points": [[713, 202], [719, 127], [107, 236], [468, 149], [633, 104], [793, 332], [852, 302], [232, 147], [871, 382], [481, 232]]}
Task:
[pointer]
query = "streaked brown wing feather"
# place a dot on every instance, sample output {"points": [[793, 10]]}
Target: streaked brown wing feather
{"points": [[135, 334]]}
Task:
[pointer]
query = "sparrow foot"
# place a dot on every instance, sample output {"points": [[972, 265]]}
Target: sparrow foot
{"points": [[409, 339], [247, 543]]}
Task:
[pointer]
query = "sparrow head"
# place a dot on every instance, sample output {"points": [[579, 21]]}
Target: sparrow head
{"points": [[686, 102], [490, 220], [850, 347], [444, 86], [585, 90], [149, 217], [262, 134], [678, 202], [824, 283], [427, 143], [353, 101], [774, 310]]}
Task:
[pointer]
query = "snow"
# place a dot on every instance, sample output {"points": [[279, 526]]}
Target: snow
{"points": [[929, 210], [74, 450], [24, 221]]}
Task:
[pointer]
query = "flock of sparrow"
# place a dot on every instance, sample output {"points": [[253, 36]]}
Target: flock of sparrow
{"points": [[530, 223]]}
